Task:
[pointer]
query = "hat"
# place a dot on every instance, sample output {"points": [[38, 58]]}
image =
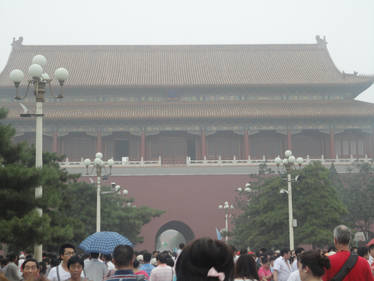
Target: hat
{"points": [[140, 258]]}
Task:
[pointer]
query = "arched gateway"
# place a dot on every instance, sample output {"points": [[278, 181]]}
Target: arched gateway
{"points": [[180, 227]]}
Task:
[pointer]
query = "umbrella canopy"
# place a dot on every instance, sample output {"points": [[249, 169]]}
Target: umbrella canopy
{"points": [[103, 242], [371, 242]]}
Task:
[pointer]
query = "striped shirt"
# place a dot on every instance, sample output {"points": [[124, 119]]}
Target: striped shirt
{"points": [[122, 275]]}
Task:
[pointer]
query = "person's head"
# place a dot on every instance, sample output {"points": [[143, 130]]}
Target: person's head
{"points": [[12, 257], [135, 264], [354, 250], [312, 264], [243, 251], [123, 256], [162, 257], [66, 251], [342, 235], [170, 261], [202, 256], [181, 246], [94, 255], [147, 257], [285, 253], [299, 251], [75, 267], [363, 252], [245, 268], [30, 269], [371, 250]]}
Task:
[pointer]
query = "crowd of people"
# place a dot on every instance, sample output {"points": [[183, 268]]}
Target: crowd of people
{"points": [[204, 259]]}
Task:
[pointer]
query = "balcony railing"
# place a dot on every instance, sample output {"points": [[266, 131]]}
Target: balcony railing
{"points": [[125, 162]]}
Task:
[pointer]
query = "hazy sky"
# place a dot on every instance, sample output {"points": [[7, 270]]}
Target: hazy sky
{"points": [[347, 24]]}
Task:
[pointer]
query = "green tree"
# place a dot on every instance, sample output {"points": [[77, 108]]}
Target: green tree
{"points": [[264, 218], [357, 193]]}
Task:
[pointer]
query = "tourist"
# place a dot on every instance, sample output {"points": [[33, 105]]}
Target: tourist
{"points": [[146, 266], [123, 258], [162, 272], [30, 270], [361, 269], [282, 266], [205, 259], [141, 275], [264, 273], [95, 269], [245, 269], [61, 272], [76, 266], [312, 265], [11, 270]]}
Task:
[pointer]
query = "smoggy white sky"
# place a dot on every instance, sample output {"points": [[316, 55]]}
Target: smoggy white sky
{"points": [[347, 24]]}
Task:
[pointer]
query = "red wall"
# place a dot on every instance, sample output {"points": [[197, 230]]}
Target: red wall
{"points": [[192, 200]]}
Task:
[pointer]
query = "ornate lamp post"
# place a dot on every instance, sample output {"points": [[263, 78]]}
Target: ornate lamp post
{"points": [[226, 207], [98, 165], [39, 80], [246, 189], [289, 163]]}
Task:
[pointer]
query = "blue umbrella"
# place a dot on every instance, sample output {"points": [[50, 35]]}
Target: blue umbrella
{"points": [[103, 242]]}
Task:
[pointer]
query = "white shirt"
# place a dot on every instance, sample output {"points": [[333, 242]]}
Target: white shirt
{"points": [[283, 268], [52, 275], [295, 276], [371, 259], [294, 265]]}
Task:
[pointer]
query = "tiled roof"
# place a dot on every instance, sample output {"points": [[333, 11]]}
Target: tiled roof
{"points": [[253, 110], [185, 65]]}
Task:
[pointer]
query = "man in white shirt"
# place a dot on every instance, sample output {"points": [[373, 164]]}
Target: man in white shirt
{"points": [[282, 267], [95, 269], [61, 272], [162, 272]]}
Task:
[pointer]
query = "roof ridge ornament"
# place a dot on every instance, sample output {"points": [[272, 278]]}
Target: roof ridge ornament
{"points": [[17, 43], [321, 41]]}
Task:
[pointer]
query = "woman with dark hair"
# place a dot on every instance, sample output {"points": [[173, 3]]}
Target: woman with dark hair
{"points": [[312, 265], [245, 269], [264, 273], [205, 259]]}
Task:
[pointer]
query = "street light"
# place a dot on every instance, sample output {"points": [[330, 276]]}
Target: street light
{"points": [[246, 189], [39, 80], [289, 163], [98, 165], [226, 207]]}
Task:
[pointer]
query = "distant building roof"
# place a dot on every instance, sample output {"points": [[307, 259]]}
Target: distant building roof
{"points": [[185, 65], [169, 111]]}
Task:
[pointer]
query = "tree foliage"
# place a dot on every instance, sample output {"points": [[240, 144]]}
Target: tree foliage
{"points": [[69, 206], [264, 218], [357, 192]]}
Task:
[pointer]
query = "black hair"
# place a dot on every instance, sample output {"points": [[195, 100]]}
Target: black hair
{"points": [[243, 251], [147, 257], [163, 257], [123, 255], [298, 251], [264, 260], [30, 260], [181, 246], [200, 256], [74, 260], [136, 263], [371, 247], [11, 257], [170, 261], [61, 251], [94, 255], [362, 251], [315, 261], [284, 251], [245, 267]]}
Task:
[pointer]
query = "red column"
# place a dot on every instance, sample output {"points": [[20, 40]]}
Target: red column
{"points": [[246, 145], [289, 140], [55, 147], [99, 145], [203, 144], [142, 145], [332, 144]]}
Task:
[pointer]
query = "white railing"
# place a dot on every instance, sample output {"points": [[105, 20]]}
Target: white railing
{"points": [[256, 162], [125, 162]]}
